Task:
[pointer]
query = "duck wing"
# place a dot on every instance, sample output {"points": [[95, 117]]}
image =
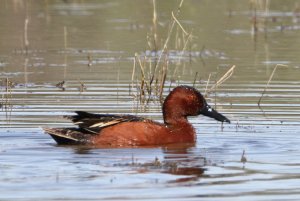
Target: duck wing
{"points": [[93, 123], [68, 136]]}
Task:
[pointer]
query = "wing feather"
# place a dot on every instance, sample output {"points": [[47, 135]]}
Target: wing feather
{"points": [[93, 123]]}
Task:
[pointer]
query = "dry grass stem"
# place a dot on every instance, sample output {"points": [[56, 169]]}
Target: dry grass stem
{"points": [[195, 78], [175, 19], [163, 80], [269, 81], [243, 157], [133, 69], [207, 83], [154, 20], [26, 41], [141, 65], [6, 104], [154, 69], [169, 35], [65, 37], [182, 54], [90, 62], [225, 77], [185, 46], [81, 87]]}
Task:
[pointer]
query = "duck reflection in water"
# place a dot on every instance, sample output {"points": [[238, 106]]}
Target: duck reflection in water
{"points": [[178, 159]]}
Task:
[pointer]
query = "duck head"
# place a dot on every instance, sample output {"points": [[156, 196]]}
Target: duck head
{"points": [[184, 101]]}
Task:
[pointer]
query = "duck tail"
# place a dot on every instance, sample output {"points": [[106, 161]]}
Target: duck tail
{"points": [[68, 136]]}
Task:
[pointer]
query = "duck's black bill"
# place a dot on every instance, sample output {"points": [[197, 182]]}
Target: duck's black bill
{"points": [[210, 112]]}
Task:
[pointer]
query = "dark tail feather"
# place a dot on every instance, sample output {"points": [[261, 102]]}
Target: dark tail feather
{"points": [[68, 136], [82, 115]]}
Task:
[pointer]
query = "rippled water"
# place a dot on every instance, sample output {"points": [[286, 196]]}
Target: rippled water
{"points": [[91, 46]]}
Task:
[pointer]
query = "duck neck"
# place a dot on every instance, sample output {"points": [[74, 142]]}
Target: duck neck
{"points": [[176, 120], [173, 115]]}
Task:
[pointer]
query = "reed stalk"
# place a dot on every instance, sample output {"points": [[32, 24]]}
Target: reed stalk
{"points": [[65, 37], [154, 20], [6, 104], [26, 41], [225, 77], [154, 69], [269, 81], [195, 78], [169, 34], [207, 83]]}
